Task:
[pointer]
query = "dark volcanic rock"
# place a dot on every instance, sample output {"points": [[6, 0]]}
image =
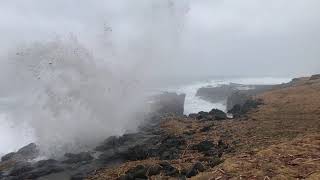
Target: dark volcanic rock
{"points": [[170, 147], [30, 151], [241, 96], [169, 103], [315, 77], [111, 143], [209, 149], [193, 115], [139, 152], [154, 170], [216, 94], [214, 161], [21, 168], [168, 169], [25, 170], [195, 169], [206, 128], [218, 114], [77, 158], [140, 146], [203, 146], [236, 98], [142, 172], [43, 168], [110, 155], [166, 149], [27, 152], [239, 110], [8, 156], [137, 172], [135, 146], [214, 114]]}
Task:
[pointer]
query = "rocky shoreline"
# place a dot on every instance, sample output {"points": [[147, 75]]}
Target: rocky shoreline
{"points": [[23, 164], [232, 94], [151, 141], [167, 145]]}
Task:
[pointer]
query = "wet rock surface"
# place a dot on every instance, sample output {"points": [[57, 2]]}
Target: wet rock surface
{"points": [[240, 110], [28, 170], [195, 169], [217, 94], [149, 142], [240, 97], [213, 115], [233, 94], [169, 103], [77, 158], [27, 152], [315, 77], [144, 146], [210, 149]]}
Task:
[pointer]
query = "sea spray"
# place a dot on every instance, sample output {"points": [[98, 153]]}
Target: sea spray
{"points": [[74, 92], [69, 101]]}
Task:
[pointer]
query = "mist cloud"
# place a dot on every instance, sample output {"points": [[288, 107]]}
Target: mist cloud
{"points": [[227, 37]]}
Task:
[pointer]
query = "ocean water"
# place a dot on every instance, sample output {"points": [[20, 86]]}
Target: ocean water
{"points": [[194, 104], [14, 136]]}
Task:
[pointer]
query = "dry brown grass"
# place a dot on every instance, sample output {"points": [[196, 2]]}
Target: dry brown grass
{"points": [[279, 140], [296, 159]]}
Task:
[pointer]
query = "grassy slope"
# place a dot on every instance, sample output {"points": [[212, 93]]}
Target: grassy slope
{"points": [[279, 140]]}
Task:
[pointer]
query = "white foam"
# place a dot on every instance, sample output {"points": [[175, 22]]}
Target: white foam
{"points": [[194, 104]]}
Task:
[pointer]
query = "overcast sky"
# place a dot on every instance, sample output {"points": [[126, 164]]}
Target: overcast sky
{"points": [[180, 38]]}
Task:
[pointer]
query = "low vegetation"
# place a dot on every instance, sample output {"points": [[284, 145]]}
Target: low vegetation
{"points": [[280, 139]]}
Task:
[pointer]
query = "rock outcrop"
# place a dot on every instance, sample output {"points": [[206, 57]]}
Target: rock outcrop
{"points": [[240, 97], [213, 115], [28, 152], [217, 94], [233, 94], [315, 77], [169, 103], [239, 110]]}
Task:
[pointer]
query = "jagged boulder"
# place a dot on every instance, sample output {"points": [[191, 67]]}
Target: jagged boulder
{"points": [[214, 114], [216, 94], [218, 114], [140, 146], [83, 157], [145, 171], [210, 149], [169, 147], [169, 103], [203, 146], [195, 169], [168, 169], [315, 77], [27, 170], [239, 110], [236, 98], [27, 152], [139, 171]]}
